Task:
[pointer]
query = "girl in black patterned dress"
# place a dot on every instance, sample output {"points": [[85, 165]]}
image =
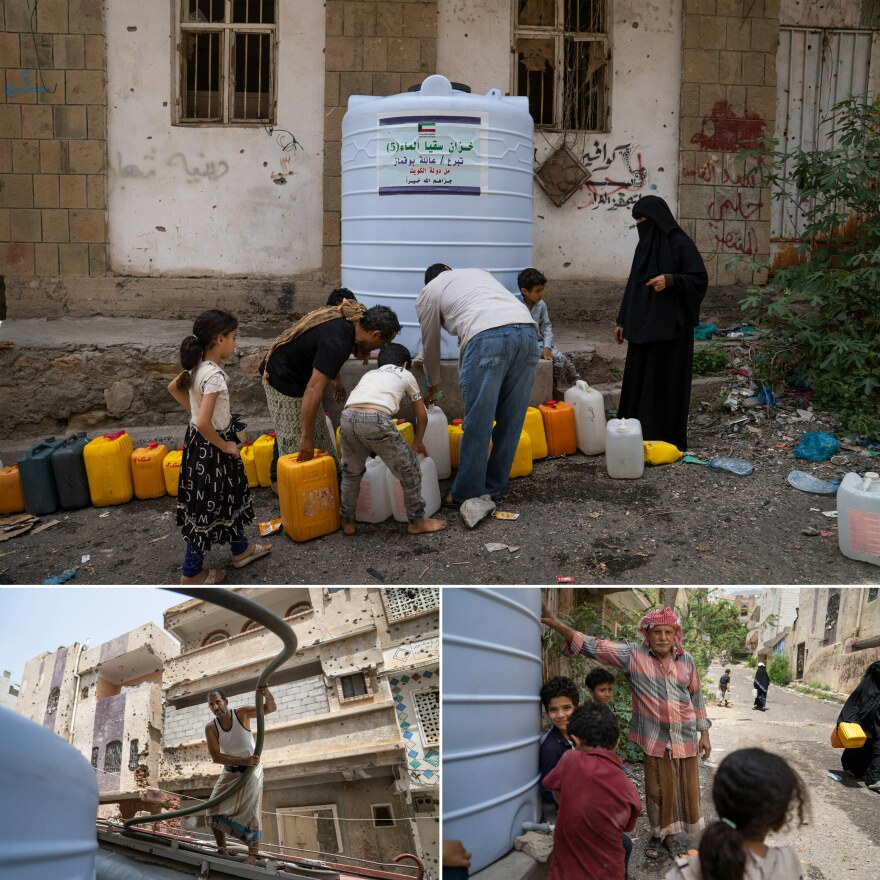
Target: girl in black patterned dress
{"points": [[213, 499]]}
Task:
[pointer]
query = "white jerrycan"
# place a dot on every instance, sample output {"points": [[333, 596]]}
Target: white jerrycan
{"points": [[589, 417], [430, 490], [624, 452], [374, 503], [436, 441], [858, 517]]}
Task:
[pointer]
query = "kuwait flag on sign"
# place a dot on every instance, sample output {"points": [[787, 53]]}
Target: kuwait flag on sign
{"points": [[427, 128]]}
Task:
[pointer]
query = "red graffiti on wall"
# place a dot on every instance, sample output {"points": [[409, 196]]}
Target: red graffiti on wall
{"points": [[746, 244], [731, 209], [724, 130]]}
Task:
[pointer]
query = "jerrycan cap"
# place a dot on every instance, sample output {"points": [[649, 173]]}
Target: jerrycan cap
{"points": [[458, 421], [153, 445], [550, 403], [248, 443], [116, 435], [622, 427]]}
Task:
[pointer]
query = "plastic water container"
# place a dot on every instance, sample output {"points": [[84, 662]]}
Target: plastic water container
{"points": [[38, 478], [147, 472], [264, 446], [624, 452], [171, 471], [851, 734], [69, 467], [534, 427], [108, 466], [858, 517], [589, 417], [339, 441], [491, 717], [329, 421], [661, 452], [558, 419], [49, 804], [406, 429], [477, 152], [436, 441], [430, 490], [522, 459], [308, 493], [455, 433], [11, 498], [250, 466], [374, 503]]}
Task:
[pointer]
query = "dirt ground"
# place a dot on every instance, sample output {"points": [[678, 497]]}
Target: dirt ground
{"points": [[843, 837], [679, 524]]}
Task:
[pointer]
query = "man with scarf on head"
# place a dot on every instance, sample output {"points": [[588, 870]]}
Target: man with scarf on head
{"points": [[863, 707], [660, 308], [668, 719]]}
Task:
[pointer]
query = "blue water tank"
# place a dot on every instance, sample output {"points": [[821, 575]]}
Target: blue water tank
{"points": [[48, 805], [491, 669], [437, 175]]}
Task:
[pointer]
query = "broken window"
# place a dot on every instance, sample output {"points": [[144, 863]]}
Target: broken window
{"points": [[95, 757], [113, 756], [428, 711], [52, 703], [226, 66], [562, 62], [831, 614], [84, 693], [133, 755], [872, 593], [382, 815]]}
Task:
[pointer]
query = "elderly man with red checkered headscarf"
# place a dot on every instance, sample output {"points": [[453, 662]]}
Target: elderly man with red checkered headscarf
{"points": [[668, 721]]}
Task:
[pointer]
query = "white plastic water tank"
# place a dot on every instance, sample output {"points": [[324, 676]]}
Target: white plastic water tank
{"points": [[48, 804], [436, 175], [491, 717]]}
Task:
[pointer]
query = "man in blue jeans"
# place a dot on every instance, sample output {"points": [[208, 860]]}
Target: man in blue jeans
{"points": [[498, 356]]}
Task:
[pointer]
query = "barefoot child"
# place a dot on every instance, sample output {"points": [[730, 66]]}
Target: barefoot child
{"points": [[213, 499], [531, 285], [366, 428], [753, 792]]}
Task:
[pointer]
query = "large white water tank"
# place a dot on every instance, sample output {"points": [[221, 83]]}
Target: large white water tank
{"points": [[436, 175], [48, 805], [491, 717]]}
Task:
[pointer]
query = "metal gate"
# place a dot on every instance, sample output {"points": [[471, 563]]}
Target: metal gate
{"points": [[816, 68]]}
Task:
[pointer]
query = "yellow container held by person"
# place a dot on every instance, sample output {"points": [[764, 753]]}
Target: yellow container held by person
{"points": [[264, 445], [108, 468], [661, 452], [339, 441], [455, 433], [250, 466], [308, 494], [534, 427], [522, 460], [11, 498], [406, 429], [851, 735], [147, 471], [171, 471]]}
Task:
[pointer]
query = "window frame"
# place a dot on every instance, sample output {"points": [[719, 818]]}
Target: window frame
{"points": [[226, 89], [560, 36]]}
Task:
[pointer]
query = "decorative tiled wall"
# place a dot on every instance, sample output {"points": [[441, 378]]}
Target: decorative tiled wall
{"points": [[423, 760]]}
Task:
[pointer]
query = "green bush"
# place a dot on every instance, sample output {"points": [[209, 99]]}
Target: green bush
{"points": [[779, 670], [709, 359], [823, 310], [752, 662]]}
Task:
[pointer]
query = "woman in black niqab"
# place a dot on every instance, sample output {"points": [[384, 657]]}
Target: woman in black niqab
{"points": [[762, 685], [660, 308], [863, 707]]}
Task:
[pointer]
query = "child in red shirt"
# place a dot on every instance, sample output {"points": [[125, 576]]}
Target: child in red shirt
{"points": [[597, 802]]}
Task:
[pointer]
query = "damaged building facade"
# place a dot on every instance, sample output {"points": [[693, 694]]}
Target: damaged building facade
{"points": [[351, 755], [107, 702]]}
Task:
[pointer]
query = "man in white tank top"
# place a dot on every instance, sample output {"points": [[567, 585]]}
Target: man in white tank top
{"points": [[231, 743]]}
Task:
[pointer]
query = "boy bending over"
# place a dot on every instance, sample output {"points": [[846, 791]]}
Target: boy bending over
{"points": [[597, 802], [366, 428]]}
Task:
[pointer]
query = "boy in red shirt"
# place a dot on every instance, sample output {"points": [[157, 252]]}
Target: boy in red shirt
{"points": [[597, 802]]}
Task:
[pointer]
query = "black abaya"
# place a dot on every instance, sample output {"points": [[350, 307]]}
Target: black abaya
{"points": [[658, 325], [863, 707]]}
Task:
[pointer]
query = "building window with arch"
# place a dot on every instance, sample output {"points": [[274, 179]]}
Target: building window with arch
{"points": [[561, 62], [133, 755], [214, 638], [113, 756], [52, 703], [250, 625], [298, 608], [226, 67]]}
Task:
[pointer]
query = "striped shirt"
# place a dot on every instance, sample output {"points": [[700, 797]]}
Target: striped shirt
{"points": [[667, 708]]}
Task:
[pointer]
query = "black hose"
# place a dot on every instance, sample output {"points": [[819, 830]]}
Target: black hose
{"points": [[253, 610]]}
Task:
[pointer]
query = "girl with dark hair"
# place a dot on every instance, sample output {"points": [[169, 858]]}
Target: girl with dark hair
{"points": [[754, 793], [863, 707], [213, 499], [762, 685], [657, 316]]}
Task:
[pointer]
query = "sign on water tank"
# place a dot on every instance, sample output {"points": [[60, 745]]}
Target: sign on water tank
{"points": [[432, 153]]}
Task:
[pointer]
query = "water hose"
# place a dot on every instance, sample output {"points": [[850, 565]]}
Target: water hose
{"points": [[256, 612]]}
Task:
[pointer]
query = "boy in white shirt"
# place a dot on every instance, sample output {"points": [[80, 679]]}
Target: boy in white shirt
{"points": [[367, 428]]}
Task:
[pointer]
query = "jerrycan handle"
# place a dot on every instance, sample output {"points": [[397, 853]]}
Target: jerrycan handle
{"points": [[583, 385], [870, 479]]}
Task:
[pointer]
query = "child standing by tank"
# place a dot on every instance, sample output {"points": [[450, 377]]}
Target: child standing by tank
{"points": [[213, 501], [531, 285], [753, 792]]}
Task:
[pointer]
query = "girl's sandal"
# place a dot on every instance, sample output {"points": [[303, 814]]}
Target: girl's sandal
{"points": [[652, 849], [213, 576], [259, 551]]}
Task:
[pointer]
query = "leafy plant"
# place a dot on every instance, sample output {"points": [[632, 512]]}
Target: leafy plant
{"points": [[752, 662], [779, 670], [709, 359], [824, 310]]}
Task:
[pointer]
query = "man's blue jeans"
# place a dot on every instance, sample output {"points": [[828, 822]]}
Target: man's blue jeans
{"points": [[496, 376]]}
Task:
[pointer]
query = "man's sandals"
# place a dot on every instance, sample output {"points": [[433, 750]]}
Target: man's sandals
{"points": [[674, 848]]}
